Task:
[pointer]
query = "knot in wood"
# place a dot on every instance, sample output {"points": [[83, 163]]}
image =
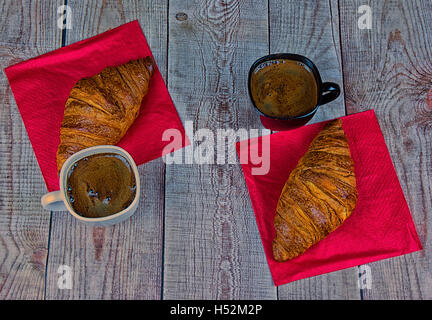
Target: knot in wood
{"points": [[181, 16]]}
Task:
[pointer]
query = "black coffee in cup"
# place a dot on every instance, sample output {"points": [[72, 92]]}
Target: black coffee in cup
{"points": [[284, 88], [101, 185]]}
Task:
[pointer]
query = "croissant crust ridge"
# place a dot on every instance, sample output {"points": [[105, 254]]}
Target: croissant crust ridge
{"points": [[100, 109], [319, 195]]}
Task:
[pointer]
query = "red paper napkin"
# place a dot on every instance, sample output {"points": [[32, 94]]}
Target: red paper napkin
{"points": [[42, 85], [381, 225]]}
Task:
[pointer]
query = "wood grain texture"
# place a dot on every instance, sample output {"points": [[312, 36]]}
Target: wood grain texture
{"points": [[310, 28], [389, 69], [30, 23], [28, 29], [212, 245], [123, 261]]}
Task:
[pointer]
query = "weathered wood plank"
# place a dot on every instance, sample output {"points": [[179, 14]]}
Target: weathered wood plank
{"points": [[389, 69], [311, 28], [123, 261], [30, 23], [212, 248], [28, 29]]}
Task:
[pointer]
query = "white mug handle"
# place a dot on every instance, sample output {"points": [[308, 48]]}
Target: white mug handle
{"points": [[53, 201]]}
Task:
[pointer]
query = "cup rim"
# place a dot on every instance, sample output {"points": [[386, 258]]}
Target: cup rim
{"points": [[91, 151], [287, 56]]}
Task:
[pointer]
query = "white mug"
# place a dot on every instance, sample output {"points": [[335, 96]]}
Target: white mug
{"points": [[57, 200]]}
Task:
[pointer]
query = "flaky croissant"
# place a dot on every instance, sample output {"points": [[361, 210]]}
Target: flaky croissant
{"points": [[318, 196], [101, 109]]}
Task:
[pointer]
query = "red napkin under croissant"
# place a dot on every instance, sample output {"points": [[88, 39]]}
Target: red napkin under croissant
{"points": [[42, 85], [380, 226]]}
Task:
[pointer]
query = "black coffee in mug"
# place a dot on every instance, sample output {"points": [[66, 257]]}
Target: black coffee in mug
{"points": [[100, 185], [286, 89]]}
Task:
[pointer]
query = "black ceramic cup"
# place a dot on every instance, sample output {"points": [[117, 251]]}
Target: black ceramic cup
{"points": [[327, 91]]}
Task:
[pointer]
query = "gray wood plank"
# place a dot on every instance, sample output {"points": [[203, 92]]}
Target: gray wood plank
{"points": [[123, 261], [212, 245], [28, 29], [30, 23], [311, 28], [389, 69]]}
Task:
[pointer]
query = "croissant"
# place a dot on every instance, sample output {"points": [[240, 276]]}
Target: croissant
{"points": [[100, 109], [319, 195]]}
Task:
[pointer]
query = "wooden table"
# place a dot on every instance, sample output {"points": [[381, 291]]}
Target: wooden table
{"points": [[195, 235]]}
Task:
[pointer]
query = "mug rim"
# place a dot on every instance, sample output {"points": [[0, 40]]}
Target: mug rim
{"points": [[287, 56], [96, 150]]}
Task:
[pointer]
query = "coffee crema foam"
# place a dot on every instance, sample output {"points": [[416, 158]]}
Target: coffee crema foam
{"points": [[284, 88], [101, 185]]}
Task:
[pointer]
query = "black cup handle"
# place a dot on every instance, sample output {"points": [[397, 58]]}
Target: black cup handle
{"points": [[329, 92]]}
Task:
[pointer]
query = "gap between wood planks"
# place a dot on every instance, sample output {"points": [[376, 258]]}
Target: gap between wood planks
{"points": [[63, 43]]}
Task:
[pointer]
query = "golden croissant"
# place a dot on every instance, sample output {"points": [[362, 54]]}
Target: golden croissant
{"points": [[318, 196], [100, 109]]}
